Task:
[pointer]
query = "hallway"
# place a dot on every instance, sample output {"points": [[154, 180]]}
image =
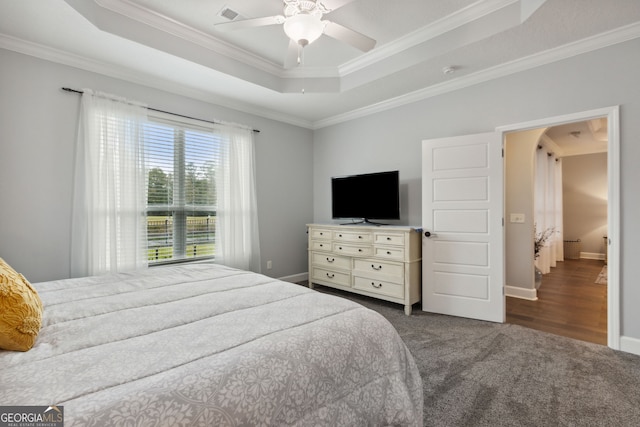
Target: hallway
{"points": [[569, 303]]}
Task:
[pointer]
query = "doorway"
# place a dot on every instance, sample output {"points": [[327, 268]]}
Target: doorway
{"points": [[535, 309]]}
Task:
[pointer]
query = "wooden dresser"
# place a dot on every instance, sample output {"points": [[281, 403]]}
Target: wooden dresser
{"points": [[379, 261]]}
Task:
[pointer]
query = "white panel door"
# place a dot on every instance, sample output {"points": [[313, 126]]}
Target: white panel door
{"points": [[462, 211]]}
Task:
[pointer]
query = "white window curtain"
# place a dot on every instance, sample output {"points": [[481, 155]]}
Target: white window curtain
{"points": [[109, 230], [237, 240], [548, 209]]}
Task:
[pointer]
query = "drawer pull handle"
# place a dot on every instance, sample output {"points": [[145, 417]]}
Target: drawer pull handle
{"points": [[339, 235], [340, 248], [330, 259], [388, 252], [376, 268], [331, 275], [388, 238], [359, 237], [378, 286], [359, 250]]}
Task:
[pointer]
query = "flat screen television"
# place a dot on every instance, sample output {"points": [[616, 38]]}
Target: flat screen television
{"points": [[366, 196]]}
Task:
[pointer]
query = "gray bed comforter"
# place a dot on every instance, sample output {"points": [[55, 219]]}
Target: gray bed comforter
{"points": [[206, 345]]}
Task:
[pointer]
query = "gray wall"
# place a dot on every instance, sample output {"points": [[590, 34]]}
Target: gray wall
{"points": [[38, 125], [598, 79], [584, 187]]}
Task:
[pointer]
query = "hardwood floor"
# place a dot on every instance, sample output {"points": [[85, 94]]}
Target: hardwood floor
{"points": [[569, 303]]}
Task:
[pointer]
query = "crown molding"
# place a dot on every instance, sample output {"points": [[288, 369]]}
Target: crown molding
{"points": [[166, 24], [437, 28], [161, 22], [569, 50], [271, 75], [589, 44], [143, 79], [127, 10]]}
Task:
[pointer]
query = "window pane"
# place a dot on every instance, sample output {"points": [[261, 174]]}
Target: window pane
{"points": [[160, 236], [159, 159], [201, 235], [201, 157], [181, 165]]}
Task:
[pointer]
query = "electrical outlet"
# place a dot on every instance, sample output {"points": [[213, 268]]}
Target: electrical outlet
{"points": [[269, 265]]}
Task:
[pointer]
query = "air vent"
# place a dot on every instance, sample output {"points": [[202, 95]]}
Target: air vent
{"points": [[228, 13]]}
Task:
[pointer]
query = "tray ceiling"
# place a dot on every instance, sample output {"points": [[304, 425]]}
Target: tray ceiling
{"points": [[176, 46]]}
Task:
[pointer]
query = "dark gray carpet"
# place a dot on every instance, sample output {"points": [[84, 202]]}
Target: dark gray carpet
{"points": [[478, 373]]}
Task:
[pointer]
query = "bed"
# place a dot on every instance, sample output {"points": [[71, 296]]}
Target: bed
{"points": [[208, 345]]}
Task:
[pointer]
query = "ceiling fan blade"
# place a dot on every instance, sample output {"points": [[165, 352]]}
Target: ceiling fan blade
{"points": [[250, 23], [291, 60], [349, 36], [334, 4]]}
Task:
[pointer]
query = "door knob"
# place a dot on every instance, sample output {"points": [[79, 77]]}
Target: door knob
{"points": [[427, 234]]}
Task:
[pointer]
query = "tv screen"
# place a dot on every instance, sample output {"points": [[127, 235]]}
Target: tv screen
{"points": [[366, 196]]}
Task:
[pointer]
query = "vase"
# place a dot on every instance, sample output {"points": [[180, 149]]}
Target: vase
{"points": [[538, 277]]}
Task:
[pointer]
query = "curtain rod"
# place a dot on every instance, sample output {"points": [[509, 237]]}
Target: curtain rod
{"points": [[67, 89]]}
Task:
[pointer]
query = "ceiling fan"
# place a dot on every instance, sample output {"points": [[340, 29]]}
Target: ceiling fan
{"points": [[303, 24]]}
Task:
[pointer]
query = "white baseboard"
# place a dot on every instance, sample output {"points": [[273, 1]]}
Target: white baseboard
{"points": [[295, 278], [591, 255], [522, 293], [630, 345]]}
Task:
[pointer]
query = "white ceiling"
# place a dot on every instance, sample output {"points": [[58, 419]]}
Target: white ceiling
{"points": [[175, 46], [574, 139]]}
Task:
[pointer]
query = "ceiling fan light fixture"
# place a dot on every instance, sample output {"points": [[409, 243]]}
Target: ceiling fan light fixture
{"points": [[303, 28]]}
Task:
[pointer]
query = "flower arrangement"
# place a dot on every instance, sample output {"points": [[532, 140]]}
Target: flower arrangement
{"points": [[540, 239]]}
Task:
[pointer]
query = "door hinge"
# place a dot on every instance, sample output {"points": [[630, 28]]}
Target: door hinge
{"points": [[503, 152]]}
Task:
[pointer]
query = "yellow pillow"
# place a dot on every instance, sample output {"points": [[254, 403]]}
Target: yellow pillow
{"points": [[20, 310]]}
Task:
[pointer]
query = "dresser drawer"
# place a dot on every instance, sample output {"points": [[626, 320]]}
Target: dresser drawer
{"points": [[320, 234], [332, 276], [396, 239], [389, 252], [352, 236], [320, 246], [331, 261], [380, 287], [352, 250], [381, 270]]}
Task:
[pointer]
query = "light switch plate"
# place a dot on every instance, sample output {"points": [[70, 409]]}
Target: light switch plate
{"points": [[517, 218]]}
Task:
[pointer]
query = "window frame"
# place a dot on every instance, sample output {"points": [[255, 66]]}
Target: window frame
{"points": [[178, 210]]}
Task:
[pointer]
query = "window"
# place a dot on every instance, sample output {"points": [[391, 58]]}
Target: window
{"points": [[149, 188], [181, 159]]}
